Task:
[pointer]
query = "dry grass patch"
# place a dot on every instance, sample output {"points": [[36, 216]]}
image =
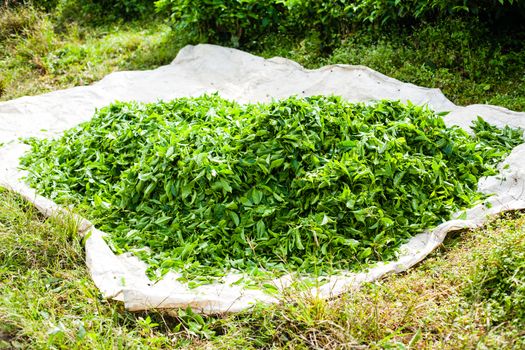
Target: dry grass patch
{"points": [[425, 307]]}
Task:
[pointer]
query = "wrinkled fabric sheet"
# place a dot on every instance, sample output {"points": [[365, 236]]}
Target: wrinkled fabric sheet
{"points": [[245, 78]]}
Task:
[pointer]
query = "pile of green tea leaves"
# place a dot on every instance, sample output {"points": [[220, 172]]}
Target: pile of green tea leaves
{"points": [[205, 185]]}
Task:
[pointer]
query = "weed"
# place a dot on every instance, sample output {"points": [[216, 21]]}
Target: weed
{"points": [[47, 298], [498, 280]]}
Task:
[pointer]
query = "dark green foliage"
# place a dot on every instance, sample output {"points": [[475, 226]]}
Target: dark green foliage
{"points": [[102, 11], [95, 10], [43, 4], [243, 21], [225, 20], [391, 11], [298, 184]]}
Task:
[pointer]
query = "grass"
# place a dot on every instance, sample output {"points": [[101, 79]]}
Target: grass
{"points": [[48, 300], [467, 294], [38, 55]]}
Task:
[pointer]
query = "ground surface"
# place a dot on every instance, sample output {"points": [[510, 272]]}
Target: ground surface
{"points": [[48, 301]]}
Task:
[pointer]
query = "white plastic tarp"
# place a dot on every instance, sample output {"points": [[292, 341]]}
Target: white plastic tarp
{"points": [[245, 78]]}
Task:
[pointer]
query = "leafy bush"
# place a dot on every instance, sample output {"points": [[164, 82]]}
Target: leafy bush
{"points": [[298, 184], [99, 11], [223, 20], [387, 11], [326, 17], [247, 20], [96, 10], [41, 4]]}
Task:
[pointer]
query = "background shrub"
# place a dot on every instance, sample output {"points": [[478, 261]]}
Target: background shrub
{"points": [[387, 11], [245, 20], [223, 20], [95, 11]]}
